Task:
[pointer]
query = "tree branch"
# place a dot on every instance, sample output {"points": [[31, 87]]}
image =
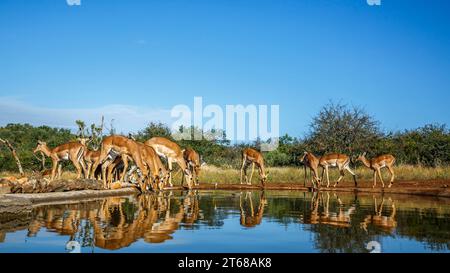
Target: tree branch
{"points": [[13, 151]]}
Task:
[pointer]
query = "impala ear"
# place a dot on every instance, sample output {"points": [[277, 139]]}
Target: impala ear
{"points": [[364, 154], [41, 142]]}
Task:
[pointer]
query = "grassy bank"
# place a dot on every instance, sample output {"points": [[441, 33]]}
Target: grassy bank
{"points": [[221, 175], [212, 174]]}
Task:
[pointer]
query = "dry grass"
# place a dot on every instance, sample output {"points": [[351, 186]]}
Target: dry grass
{"points": [[221, 175], [212, 174], [64, 175]]}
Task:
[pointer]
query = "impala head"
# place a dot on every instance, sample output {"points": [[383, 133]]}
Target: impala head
{"points": [[188, 176], [264, 177], [362, 156], [41, 146], [303, 157], [84, 140], [162, 177], [197, 169]]}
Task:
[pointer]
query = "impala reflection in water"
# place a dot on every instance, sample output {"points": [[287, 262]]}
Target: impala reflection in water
{"points": [[218, 221]]}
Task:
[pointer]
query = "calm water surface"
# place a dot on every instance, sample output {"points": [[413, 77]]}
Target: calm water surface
{"points": [[218, 221]]}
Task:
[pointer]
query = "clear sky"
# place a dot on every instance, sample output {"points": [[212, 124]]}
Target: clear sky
{"points": [[134, 60]]}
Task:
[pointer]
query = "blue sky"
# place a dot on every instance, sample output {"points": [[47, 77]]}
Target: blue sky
{"points": [[134, 60]]}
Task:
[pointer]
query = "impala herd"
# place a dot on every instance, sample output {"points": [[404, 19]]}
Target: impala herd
{"points": [[111, 163]]}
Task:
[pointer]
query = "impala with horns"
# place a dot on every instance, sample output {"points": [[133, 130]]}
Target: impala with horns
{"points": [[72, 151], [173, 153], [193, 162], [254, 158], [377, 164], [121, 145]]}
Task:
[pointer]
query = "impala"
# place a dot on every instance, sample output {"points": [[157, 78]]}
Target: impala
{"points": [[249, 218], [72, 151], [158, 172], [193, 162], [340, 161], [378, 163], [172, 152], [312, 162], [386, 223], [251, 156], [340, 218], [121, 145], [90, 157], [117, 166]]}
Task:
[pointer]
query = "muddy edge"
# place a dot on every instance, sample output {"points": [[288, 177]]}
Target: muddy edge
{"points": [[19, 202]]}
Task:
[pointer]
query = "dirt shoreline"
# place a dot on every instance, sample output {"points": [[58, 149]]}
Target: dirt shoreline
{"points": [[434, 188], [23, 201]]}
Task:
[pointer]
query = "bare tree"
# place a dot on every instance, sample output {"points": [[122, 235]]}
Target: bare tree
{"points": [[13, 151]]}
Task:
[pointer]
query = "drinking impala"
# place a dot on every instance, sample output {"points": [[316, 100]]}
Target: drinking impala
{"points": [[312, 162], [192, 159], [121, 145], [172, 152], [254, 158]]}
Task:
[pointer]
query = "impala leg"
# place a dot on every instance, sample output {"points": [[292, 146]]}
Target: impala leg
{"points": [[374, 179], [59, 170], [125, 167], [381, 177], [104, 169], [83, 166], [183, 177], [315, 179], [328, 176], [323, 172], [169, 162], [101, 160], [94, 167], [391, 170], [195, 176], [251, 175], [77, 165], [54, 167], [109, 172], [245, 173], [242, 170], [250, 198], [88, 170], [352, 173], [342, 174]]}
